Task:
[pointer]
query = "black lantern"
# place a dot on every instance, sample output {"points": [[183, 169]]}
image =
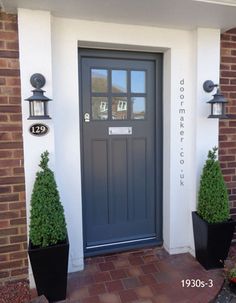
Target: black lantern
{"points": [[38, 103], [217, 103]]}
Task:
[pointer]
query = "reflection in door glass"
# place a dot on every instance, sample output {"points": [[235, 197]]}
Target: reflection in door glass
{"points": [[138, 108], [119, 108], [100, 108], [99, 80], [138, 81], [119, 81]]}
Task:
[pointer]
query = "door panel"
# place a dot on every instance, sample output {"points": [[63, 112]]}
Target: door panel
{"points": [[119, 159], [140, 178], [118, 133], [99, 185]]}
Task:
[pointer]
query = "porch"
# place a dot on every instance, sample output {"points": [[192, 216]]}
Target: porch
{"points": [[157, 276]]}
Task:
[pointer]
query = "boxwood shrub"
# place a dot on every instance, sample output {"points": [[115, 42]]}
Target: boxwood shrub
{"points": [[213, 202], [47, 220]]}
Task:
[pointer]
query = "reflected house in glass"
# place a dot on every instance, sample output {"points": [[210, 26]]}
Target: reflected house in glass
{"points": [[138, 107], [99, 88], [99, 108], [119, 108], [121, 101]]}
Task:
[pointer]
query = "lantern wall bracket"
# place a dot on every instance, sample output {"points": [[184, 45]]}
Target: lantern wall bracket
{"points": [[209, 85], [37, 80]]}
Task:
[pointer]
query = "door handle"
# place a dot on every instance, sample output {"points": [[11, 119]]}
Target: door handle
{"points": [[86, 117]]}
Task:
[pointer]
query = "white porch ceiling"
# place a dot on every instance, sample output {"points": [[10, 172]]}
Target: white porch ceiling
{"points": [[182, 14]]}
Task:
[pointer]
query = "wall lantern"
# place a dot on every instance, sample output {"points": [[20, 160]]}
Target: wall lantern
{"points": [[38, 103], [217, 103]]}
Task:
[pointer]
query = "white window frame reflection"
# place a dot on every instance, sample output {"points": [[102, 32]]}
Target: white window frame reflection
{"points": [[121, 106], [103, 106]]}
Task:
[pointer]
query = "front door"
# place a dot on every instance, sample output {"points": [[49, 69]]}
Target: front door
{"points": [[119, 133]]}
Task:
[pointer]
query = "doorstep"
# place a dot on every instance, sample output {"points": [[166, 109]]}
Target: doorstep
{"points": [[144, 276]]}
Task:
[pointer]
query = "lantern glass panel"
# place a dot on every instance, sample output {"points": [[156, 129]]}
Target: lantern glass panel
{"points": [[217, 109], [37, 108]]}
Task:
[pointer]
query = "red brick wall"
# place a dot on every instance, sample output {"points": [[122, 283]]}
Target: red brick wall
{"points": [[227, 135], [13, 242]]}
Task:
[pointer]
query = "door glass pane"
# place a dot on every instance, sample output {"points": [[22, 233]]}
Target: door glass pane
{"points": [[138, 108], [99, 80], [100, 108], [119, 108], [138, 81], [119, 81]]}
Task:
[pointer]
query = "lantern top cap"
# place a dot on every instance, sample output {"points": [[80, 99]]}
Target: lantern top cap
{"points": [[38, 96], [218, 98]]}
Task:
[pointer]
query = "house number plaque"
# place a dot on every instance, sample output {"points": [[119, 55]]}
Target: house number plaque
{"points": [[38, 129]]}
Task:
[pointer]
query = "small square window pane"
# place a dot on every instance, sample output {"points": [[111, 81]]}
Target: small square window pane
{"points": [[138, 108], [119, 108], [138, 81], [100, 108], [99, 80], [119, 81]]}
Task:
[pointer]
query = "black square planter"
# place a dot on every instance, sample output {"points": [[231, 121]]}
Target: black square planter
{"points": [[212, 241], [50, 267]]}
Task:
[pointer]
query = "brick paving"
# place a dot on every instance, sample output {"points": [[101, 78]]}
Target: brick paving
{"points": [[144, 276]]}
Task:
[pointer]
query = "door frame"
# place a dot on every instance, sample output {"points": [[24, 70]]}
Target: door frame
{"points": [[158, 137]]}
